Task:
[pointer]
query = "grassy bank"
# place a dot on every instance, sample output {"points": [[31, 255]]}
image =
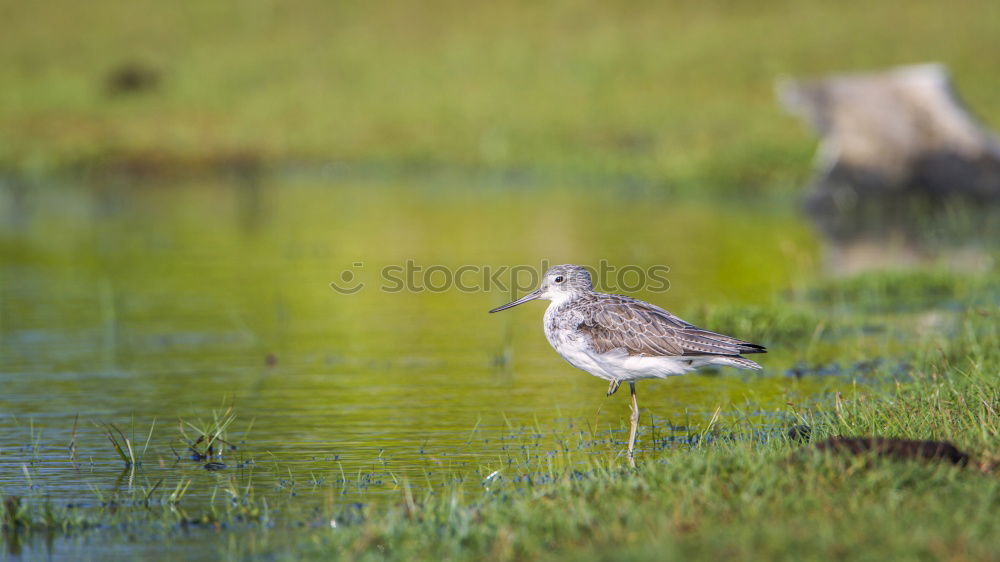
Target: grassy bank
{"points": [[736, 491], [677, 93]]}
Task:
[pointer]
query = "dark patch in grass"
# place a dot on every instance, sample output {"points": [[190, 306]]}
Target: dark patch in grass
{"points": [[131, 77], [801, 433], [150, 165], [862, 370], [894, 448]]}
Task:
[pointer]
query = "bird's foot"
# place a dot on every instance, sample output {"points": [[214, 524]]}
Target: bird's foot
{"points": [[614, 387]]}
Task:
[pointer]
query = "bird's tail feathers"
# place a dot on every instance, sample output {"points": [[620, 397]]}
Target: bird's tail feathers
{"points": [[738, 362]]}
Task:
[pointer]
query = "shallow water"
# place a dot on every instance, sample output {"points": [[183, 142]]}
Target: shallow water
{"points": [[142, 304]]}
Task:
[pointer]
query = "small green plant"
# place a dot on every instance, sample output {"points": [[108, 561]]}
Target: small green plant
{"points": [[121, 444], [209, 439]]}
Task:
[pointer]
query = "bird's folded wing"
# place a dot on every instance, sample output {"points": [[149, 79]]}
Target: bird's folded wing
{"points": [[639, 328]]}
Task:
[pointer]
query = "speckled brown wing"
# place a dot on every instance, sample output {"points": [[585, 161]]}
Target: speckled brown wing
{"points": [[639, 328]]}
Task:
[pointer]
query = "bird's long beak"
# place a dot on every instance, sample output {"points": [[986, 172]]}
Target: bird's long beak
{"points": [[529, 297]]}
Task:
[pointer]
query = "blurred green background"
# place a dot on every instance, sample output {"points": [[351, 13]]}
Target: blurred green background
{"points": [[181, 181], [675, 93]]}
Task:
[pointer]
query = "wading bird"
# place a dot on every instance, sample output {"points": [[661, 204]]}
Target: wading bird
{"points": [[621, 339]]}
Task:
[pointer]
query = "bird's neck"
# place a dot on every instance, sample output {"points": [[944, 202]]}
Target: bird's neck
{"points": [[563, 299]]}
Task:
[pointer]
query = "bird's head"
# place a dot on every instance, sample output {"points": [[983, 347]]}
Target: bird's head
{"points": [[560, 283]]}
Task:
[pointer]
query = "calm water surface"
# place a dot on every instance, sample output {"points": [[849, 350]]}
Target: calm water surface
{"points": [[142, 304]]}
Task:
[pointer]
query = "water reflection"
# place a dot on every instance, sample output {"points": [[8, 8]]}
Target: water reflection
{"points": [[866, 233]]}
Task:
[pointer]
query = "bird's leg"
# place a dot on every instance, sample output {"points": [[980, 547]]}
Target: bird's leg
{"points": [[614, 386], [635, 425]]}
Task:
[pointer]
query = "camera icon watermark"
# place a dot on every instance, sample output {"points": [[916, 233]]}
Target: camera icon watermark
{"points": [[349, 283], [412, 277]]}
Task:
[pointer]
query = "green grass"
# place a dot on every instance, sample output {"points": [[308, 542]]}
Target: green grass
{"points": [[775, 324], [676, 93], [900, 291], [736, 493]]}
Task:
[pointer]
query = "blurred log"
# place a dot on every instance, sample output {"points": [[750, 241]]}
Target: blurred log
{"points": [[897, 147], [895, 132]]}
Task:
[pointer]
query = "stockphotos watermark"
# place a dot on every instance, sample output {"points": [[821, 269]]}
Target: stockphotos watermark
{"points": [[470, 278]]}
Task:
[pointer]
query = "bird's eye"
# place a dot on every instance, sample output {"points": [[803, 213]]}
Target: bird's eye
{"points": [[559, 279]]}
